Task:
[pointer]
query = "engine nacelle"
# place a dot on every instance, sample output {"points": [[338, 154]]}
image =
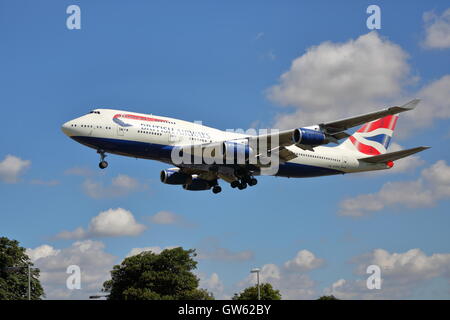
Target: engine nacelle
{"points": [[174, 176], [309, 137], [239, 151], [197, 184]]}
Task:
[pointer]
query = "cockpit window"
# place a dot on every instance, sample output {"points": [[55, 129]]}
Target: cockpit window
{"points": [[94, 111]]}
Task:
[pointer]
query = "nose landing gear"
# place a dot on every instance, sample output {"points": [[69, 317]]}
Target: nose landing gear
{"points": [[103, 164]]}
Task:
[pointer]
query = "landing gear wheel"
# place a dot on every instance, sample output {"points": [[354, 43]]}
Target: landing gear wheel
{"points": [[234, 184], [216, 189], [252, 182], [103, 165], [242, 186]]}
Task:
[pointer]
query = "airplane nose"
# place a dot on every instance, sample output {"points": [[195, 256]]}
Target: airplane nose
{"points": [[66, 129]]}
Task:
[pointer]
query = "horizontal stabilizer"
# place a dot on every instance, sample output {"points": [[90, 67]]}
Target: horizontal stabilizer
{"points": [[392, 156]]}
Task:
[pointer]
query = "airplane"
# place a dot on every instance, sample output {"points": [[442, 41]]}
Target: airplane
{"points": [[300, 152]]}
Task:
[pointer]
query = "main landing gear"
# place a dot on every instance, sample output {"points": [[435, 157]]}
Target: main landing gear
{"points": [[103, 164], [243, 182], [216, 189]]}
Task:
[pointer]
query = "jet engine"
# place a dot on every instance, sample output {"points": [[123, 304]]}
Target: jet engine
{"points": [[309, 137], [238, 151], [174, 176], [197, 184]]}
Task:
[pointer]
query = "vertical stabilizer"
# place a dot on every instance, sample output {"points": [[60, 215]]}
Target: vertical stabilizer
{"points": [[372, 138]]}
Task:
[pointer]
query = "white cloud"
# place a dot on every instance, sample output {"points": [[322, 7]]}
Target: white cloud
{"points": [[78, 233], [111, 223], [125, 182], [290, 278], [89, 255], [212, 284], [432, 185], [435, 105], [12, 167], [410, 266], [350, 289], [120, 186], [437, 30], [401, 274], [115, 222], [304, 261], [334, 80], [42, 251]]}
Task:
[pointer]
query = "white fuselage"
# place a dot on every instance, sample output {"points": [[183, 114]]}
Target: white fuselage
{"points": [[152, 137]]}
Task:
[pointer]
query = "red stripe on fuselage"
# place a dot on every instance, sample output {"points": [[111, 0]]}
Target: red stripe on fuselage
{"points": [[134, 117]]}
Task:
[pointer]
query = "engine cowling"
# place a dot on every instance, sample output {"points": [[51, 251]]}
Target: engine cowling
{"points": [[239, 151], [309, 137], [174, 176], [197, 184]]}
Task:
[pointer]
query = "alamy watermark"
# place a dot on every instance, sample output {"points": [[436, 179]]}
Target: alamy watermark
{"points": [[243, 147], [374, 20], [73, 21], [374, 280], [74, 280]]}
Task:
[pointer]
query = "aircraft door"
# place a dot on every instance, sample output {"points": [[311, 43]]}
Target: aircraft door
{"points": [[344, 162], [120, 131]]}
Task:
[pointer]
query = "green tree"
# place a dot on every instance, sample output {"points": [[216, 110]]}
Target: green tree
{"points": [[150, 276], [251, 293], [331, 297], [14, 264]]}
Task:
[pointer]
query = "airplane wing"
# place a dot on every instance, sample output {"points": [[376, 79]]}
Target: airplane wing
{"points": [[277, 141], [392, 156], [344, 124], [334, 130]]}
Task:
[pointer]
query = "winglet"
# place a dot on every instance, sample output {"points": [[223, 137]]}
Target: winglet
{"points": [[410, 105], [406, 107]]}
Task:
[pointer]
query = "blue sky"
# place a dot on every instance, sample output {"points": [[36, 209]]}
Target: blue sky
{"points": [[218, 62]]}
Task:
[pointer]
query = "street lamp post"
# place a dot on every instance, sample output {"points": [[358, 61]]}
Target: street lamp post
{"points": [[29, 282], [257, 270], [28, 266]]}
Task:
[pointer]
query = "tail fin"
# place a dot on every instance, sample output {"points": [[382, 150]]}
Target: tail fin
{"points": [[372, 138]]}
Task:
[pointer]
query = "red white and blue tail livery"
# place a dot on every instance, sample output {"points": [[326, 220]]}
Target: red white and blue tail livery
{"points": [[300, 152], [374, 137]]}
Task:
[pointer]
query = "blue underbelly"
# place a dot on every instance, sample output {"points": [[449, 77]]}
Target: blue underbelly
{"points": [[129, 148], [162, 152], [297, 170]]}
